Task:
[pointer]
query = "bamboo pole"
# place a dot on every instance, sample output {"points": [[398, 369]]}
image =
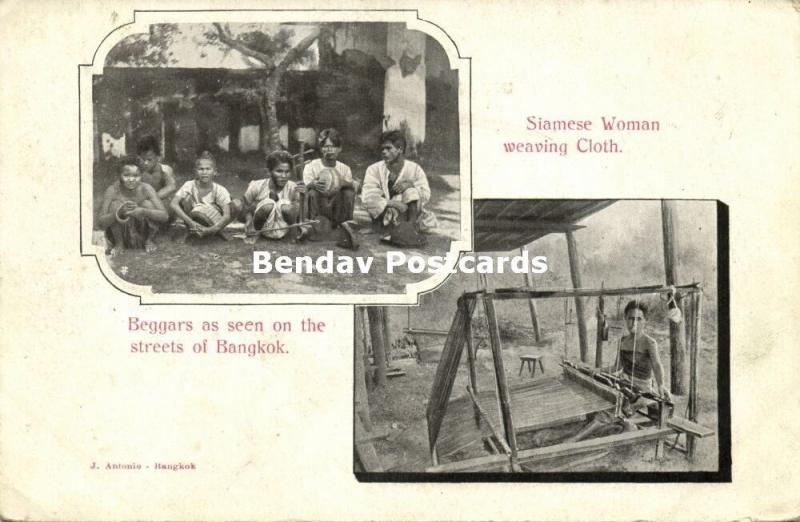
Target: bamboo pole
{"points": [[601, 316], [555, 451], [426, 331], [574, 270], [504, 394], [524, 293], [678, 373], [694, 409], [447, 369], [483, 414], [689, 309], [471, 360], [528, 278]]}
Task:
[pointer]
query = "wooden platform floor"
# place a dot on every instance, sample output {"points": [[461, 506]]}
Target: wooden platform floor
{"points": [[537, 404]]}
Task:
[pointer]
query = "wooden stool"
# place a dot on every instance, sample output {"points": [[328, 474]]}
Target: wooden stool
{"points": [[531, 360]]}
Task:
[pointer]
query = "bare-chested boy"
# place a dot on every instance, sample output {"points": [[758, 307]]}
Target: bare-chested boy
{"points": [[131, 210], [155, 173], [204, 206], [270, 205]]}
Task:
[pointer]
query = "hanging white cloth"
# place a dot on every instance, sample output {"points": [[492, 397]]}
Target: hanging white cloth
{"points": [[404, 93]]}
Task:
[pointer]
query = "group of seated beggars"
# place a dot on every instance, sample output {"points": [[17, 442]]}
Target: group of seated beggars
{"points": [[145, 199]]}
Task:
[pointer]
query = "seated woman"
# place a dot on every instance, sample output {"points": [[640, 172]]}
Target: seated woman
{"points": [[131, 210], [638, 361], [204, 206], [269, 206]]}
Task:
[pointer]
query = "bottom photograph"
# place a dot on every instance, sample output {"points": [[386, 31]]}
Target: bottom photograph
{"points": [[581, 340]]}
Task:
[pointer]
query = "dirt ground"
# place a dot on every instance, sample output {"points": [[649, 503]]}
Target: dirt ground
{"points": [[400, 406], [212, 265]]}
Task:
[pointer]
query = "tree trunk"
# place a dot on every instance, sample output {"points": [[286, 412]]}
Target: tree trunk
{"points": [[263, 126], [269, 139], [362, 401], [378, 349]]}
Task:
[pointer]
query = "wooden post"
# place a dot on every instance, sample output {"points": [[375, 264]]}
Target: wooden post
{"points": [[234, 129], [689, 309], [537, 334], [482, 413], [471, 361], [378, 348], [601, 318], [694, 410], [483, 282], [676, 331], [162, 128], [387, 339], [663, 415], [169, 153], [500, 374], [574, 270], [367, 347], [362, 402]]}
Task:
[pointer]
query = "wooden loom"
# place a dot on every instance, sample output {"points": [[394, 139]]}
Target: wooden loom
{"points": [[543, 403]]}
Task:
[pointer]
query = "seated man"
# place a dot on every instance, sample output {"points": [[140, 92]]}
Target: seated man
{"points": [[204, 206], [396, 189], [131, 210], [638, 361], [271, 206], [155, 173], [329, 182]]}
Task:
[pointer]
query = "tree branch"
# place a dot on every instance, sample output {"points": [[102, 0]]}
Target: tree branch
{"points": [[226, 38], [296, 51]]}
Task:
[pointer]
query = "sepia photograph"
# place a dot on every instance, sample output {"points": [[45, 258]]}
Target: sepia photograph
{"points": [[220, 147], [606, 361]]}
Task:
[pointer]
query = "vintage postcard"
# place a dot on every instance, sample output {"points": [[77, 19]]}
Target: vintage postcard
{"points": [[386, 261]]}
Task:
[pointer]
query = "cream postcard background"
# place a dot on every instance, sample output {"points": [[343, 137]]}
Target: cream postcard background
{"points": [[272, 438]]}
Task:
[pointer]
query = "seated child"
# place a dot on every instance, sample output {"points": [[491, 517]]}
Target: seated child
{"points": [[203, 205], [270, 205], [131, 210], [155, 173], [329, 183], [396, 189]]}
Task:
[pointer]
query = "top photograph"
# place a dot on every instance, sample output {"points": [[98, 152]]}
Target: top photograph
{"points": [[247, 159]]}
